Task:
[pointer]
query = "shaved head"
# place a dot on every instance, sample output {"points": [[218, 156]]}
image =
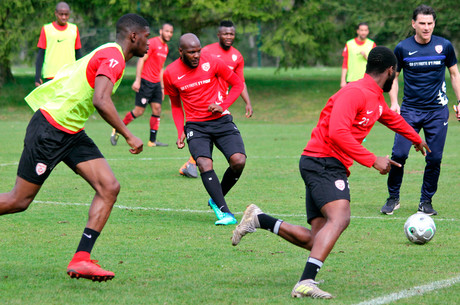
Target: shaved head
{"points": [[62, 6], [189, 40]]}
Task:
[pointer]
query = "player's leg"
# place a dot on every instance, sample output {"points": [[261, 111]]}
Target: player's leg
{"points": [[19, 198], [435, 130], [140, 103], [156, 98], [230, 143], [400, 153], [87, 161]]}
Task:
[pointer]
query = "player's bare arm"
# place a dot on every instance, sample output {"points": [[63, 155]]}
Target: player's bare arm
{"points": [[455, 80], [140, 65], [394, 95], [103, 102], [247, 101]]}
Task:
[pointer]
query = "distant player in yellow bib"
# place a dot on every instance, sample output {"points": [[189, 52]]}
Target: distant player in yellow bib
{"points": [[355, 55], [59, 44]]}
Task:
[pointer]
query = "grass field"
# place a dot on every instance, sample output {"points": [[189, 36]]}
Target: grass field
{"points": [[161, 241]]}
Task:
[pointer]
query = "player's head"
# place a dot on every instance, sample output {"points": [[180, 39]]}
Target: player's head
{"points": [[166, 32], [226, 34], [62, 13], [381, 62], [362, 30], [133, 32], [423, 22], [190, 50]]}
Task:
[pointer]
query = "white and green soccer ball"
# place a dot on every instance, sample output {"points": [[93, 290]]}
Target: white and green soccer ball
{"points": [[419, 228]]}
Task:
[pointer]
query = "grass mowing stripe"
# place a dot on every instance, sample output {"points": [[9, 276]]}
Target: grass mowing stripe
{"points": [[414, 291], [209, 211]]}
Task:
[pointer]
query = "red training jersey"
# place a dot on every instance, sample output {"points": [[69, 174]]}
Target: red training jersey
{"points": [[231, 57], [347, 119], [108, 62], [42, 39], [345, 52], [156, 57]]}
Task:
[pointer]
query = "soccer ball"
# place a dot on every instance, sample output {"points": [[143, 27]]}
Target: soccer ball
{"points": [[419, 228]]}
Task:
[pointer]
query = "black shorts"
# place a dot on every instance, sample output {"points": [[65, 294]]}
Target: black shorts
{"points": [[325, 181], [45, 146], [221, 132], [149, 93]]}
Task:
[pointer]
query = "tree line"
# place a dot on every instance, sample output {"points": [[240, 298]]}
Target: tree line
{"points": [[296, 33]]}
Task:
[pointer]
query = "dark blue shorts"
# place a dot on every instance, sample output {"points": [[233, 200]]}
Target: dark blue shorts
{"points": [[149, 93], [222, 132], [45, 146], [325, 181]]}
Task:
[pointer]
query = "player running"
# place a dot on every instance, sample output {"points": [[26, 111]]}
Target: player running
{"points": [[56, 133], [335, 143]]}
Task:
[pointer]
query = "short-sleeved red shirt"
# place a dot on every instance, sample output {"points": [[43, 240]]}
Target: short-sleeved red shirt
{"points": [[197, 87], [108, 62], [158, 51], [231, 57]]}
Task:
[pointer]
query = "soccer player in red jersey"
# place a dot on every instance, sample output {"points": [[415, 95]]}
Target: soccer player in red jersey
{"points": [[234, 60], [56, 133], [59, 44], [335, 143], [149, 84], [193, 79]]}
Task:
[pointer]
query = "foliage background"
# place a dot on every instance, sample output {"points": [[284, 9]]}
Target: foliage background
{"points": [[276, 33]]}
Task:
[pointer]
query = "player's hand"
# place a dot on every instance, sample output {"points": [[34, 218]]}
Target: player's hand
{"points": [[136, 85], [136, 145], [249, 110], [343, 84], [396, 108], [456, 112], [181, 141], [421, 147], [383, 164], [214, 108]]}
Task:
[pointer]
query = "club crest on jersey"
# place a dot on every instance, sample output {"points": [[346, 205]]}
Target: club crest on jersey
{"points": [[438, 48], [206, 66], [40, 169], [340, 184], [234, 57]]}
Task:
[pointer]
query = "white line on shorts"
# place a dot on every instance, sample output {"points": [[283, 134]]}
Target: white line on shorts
{"points": [[125, 207], [414, 291]]}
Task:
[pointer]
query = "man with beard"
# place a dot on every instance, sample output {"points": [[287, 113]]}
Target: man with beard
{"points": [[424, 58], [149, 84], [192, 83], [335, 143]]}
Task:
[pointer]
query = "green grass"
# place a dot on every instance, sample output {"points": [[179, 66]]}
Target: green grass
{"points": [[160, 239]]}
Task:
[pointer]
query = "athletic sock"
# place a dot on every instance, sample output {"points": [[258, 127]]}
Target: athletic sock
{"points": [[229, 180], [87, 240], [154, 125], [311, 269], [212, 185], [269, 223], [129, 117]]}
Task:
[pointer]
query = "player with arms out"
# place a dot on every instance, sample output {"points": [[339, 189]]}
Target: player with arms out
{"points": [[56, 133], [149, 84], [424, 58], [194, 80], [234, 60], [59, 44], [335, 144]]}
